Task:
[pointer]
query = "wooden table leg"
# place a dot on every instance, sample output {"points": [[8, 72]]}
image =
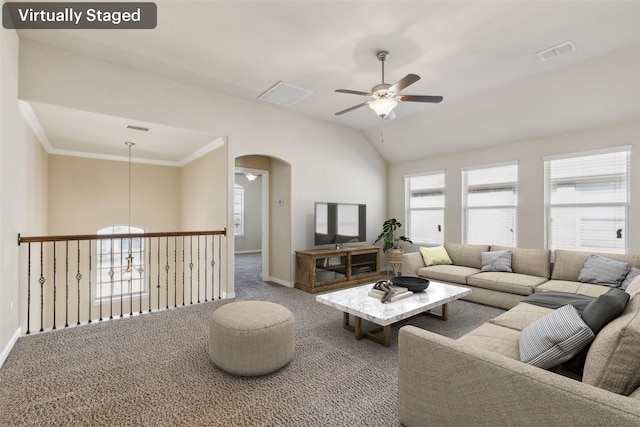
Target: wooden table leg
{"points": [[345, 322], [386, 337], [358, 330], [444, 314]]}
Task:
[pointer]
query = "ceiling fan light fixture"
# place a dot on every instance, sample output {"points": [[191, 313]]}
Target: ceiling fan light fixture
{"points": [[383, 106]]}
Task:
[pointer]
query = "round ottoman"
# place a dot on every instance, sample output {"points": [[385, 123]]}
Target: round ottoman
{"points": [[251, 337]]}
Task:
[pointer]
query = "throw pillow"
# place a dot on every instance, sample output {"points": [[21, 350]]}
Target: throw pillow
{"points": [[435, 256], [632, 274], [603, 271], [554, 338], [596, 315], [496, 261]]}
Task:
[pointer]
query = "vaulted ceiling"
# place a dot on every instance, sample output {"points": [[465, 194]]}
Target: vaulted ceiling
{"points": [[479, 55]]}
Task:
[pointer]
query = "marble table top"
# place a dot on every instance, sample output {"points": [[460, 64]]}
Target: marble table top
{"points": [[356, 301]]}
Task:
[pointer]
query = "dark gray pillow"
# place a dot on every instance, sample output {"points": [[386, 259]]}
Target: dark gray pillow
{"points": [[603, 271], [554, 338], [604, 309], [496, 261], [632, 274], [596, 315]]}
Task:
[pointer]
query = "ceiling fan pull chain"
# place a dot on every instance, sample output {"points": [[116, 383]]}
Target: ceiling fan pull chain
{"points": [[382, 131]]}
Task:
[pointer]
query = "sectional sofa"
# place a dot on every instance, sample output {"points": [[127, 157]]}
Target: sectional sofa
{"points": [[532, 271], [482, 379]]}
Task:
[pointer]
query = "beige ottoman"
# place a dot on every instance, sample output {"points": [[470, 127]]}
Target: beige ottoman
{"points": [[251, 337]]}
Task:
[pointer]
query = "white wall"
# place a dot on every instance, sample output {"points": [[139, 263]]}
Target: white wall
{"points": [[23, 191], [529, 155], [328, 162]]}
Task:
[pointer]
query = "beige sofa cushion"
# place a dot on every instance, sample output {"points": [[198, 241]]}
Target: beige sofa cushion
{"points": [[573, 287], [448, 273], [534, 262], [494, 338], [466, 255], [514, 283], [520, 316], [613, 363], [567, 264]]}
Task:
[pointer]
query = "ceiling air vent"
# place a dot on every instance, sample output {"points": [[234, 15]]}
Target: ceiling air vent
{"points": [[140, 128], [558, 50], [285, 94]]}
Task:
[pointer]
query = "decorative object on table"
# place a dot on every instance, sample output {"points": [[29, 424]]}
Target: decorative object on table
{"points": [[388, 292], [391, 243], [411, 283]]}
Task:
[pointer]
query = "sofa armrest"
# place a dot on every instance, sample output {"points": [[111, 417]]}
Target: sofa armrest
{"points": [[444, 382], [411, 262]]}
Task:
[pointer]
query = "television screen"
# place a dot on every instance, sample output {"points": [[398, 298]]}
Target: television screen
{"points": [[340, 223]]}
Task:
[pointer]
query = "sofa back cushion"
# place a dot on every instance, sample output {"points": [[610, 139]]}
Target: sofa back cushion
{"points": [[612, 362], [568, 264], [465, 254], [534, 262]]}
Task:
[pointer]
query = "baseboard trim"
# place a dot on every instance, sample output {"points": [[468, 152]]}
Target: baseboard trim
{"points": [[5, 352], [279, 282], [251, 251], [228, 295]]}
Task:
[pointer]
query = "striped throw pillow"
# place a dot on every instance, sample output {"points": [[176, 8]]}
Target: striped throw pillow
{"points": [[554, 338]]}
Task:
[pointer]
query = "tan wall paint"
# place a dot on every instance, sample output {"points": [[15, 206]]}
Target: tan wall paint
{"points": [[529, 155], [89, 194], [281, 266], [203, 202], [203, 192], [23, 193]]}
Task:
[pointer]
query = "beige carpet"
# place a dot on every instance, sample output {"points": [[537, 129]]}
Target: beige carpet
{"points": [[154, 370]]}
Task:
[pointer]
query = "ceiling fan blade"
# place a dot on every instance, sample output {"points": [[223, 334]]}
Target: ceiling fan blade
{"points": [[353, 92], [351, 109], [420, 98], [407, 80]]}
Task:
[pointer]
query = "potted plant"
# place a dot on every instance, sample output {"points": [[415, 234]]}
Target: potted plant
{"points": [[391, 243]]}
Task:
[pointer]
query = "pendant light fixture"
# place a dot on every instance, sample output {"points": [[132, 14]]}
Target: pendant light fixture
{"points": [[127, 275]]}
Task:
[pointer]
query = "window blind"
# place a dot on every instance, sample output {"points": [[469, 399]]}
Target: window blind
{"points": [[587, 201], [489, 204], [425, 208]]}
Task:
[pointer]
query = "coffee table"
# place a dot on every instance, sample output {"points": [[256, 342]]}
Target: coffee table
{"points": [[357, 302]]}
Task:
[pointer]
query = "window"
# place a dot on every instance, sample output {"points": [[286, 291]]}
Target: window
{"points": [[587, 201], [489, 204], [112, 281], [238, 210], [425, 208]]}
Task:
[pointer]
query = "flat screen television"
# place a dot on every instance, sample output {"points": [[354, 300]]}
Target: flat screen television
{"points": [[339, 223]]}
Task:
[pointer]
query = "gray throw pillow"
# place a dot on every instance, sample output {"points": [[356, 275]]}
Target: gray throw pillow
{"points": [[554, 338], [603, 271], [596, 315], [496, 261], [632, 274]]}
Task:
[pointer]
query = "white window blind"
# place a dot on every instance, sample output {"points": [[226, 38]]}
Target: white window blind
{"points": [[489, 204], [425, 208], [587, 201]]}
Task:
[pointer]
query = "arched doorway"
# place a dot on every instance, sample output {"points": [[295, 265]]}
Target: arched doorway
{"points": [[262, 216]]}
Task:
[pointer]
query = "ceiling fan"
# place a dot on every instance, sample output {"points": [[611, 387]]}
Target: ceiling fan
{"points": [[386, 96]]}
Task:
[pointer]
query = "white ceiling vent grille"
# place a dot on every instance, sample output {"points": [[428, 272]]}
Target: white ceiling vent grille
{"points": [[285, 94], [140, 128], [558, 50]]}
